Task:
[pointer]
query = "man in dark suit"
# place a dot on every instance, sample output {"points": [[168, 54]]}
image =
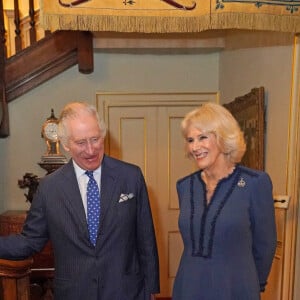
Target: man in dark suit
{"points": [[122, 264]]}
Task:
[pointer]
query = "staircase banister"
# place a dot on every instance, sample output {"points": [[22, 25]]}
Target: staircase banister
{"points": [[14, 279], [15, 268]]}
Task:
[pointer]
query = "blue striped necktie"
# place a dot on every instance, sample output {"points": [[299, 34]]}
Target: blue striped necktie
{"points": [[93, 207]]}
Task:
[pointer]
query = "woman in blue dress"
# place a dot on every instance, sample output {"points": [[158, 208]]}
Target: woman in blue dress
{"points": [[226, 216]]}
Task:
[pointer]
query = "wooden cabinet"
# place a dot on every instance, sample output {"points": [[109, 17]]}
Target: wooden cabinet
{"points": [[42, 270]]}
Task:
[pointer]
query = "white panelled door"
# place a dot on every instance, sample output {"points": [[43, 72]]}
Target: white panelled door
{"points": [[144, 129]]}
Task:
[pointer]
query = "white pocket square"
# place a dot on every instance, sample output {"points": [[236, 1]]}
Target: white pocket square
{"points": [[125, 197]]}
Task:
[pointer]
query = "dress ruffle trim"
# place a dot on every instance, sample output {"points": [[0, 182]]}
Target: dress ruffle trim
{"points": [[207, 227]]}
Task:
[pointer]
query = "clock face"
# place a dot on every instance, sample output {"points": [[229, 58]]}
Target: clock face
{"points": [[50, 131]]}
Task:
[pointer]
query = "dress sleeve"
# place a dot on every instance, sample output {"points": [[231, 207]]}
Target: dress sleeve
{"points": [[263, 226]]}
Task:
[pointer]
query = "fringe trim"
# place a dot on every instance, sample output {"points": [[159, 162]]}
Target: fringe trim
{"points": [[159, 24], [250, 21], [126, 24]]}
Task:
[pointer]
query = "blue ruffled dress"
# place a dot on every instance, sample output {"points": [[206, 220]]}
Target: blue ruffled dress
{"points": [[229, 244]]}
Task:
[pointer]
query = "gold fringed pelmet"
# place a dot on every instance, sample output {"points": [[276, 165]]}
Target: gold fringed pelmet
{"points": [[127, 24], [255, 22], [163, 19]]}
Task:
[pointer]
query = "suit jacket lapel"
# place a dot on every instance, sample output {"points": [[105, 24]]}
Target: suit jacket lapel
{"points": [[108, 186]]}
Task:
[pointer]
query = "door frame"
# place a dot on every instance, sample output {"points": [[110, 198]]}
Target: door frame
{"points": [[291, 265]]}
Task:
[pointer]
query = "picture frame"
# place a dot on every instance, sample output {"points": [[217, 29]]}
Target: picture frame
{"points": [[249, 111]]}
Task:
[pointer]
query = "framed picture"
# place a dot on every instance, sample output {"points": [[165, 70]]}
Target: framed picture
{"points": [[249, 110]]}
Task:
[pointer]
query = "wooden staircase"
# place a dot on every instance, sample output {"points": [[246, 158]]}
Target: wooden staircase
{"points": [[45, 59], [40, 61]]}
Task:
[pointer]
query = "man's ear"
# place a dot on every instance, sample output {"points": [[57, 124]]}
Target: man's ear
{"points": [[66, 148]]}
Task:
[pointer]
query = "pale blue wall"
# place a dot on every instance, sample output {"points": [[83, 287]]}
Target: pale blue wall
{"points": [[233, 73], [22, 150], [270, 67]]}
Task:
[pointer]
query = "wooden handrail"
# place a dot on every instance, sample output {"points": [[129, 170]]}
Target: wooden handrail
{"points": [[37, 59], [4, 116], [14, 279]]}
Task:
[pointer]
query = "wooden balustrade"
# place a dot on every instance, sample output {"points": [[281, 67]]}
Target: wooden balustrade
{"points": [[20, 33], [15, 37], [14, 279], [4, 130], [17, 21], [32, 30], [29, 55]]}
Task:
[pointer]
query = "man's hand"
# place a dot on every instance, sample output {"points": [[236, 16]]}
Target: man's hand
{"points": [[152, 297]]}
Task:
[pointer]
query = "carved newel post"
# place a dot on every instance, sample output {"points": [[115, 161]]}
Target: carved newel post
{"points": [[14, 279]]}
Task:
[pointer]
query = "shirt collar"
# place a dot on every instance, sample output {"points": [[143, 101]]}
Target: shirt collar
{"points": [[79, 171]]}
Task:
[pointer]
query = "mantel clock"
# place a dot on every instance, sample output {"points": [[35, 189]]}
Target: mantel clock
{"points": [[53, 158]]}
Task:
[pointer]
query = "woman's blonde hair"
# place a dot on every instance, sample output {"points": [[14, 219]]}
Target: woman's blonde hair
{"points": [[215, 118]]}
